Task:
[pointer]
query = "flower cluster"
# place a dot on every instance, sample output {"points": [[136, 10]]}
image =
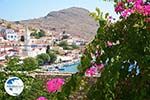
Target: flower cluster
{"points": [[94, 70], [131, 6], [119, 7], [109, 44], [54, 85], [41, 98]]}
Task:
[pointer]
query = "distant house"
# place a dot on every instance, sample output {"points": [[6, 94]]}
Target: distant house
{"points": [[36, 51], [11, 35], [70, 41], [64, 35], [76, 41]]}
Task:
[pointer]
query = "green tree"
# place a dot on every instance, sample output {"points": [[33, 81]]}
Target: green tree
{"points": [[41, 33], [13, 64], [44, 56], [40, 61], [30, 64], [52, 56], [74, 46], [63, 44]]}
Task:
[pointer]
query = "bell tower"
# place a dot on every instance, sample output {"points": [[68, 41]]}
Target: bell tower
{"points": [[27, 45]]}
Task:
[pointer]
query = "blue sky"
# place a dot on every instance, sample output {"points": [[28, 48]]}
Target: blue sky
{"points": [[14, 10]]}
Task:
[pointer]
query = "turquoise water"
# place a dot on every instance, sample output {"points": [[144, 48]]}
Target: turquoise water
{"points": [[71, 68]]}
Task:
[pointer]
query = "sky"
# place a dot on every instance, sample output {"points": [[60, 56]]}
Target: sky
{"points": [[16, 10]]}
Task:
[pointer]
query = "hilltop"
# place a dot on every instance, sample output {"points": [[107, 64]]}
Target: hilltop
{"points": [[74, 20]]}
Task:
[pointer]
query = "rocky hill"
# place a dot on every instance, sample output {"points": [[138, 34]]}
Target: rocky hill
{"points": [[75, 21]]}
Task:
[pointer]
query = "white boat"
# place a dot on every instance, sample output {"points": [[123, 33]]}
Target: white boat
{"points": [[53, 69]]}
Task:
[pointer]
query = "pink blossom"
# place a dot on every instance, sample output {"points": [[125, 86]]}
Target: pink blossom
{"points": [[146, 9], [136, 5], [130, 1], [41, 98], [138, 2], [127, 12], [138, 8], [109, 43], [99, 66], [55, 84], [119, 7], [94, 70], [91, 71]]}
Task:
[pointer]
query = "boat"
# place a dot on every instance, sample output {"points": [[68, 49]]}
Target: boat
{"points": [[53, 69], [59, 68]]}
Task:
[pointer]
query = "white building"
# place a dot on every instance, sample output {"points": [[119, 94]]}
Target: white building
{"points": [[78, 41], [33, 47], [70, 41], [11, 35], [36, 51]]}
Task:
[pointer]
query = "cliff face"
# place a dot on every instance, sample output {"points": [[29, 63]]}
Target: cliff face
{"points": [[75, 21]]}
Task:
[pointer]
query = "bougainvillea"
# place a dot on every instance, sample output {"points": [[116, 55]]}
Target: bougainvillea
{"points": [[99, 67], [94, 71], [124, 63], [41, 98], [124, 50], [127, 7], [119, 7], [109, 44], [54, 85]]}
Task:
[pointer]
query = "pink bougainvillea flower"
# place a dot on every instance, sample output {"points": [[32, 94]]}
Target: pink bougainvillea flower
{"points": [[91, 71], [127, 12], [130, 1], [94, 70], [138, 2], [138, 8], [146, 10], [109, 43], [119, 7], [99, 66], [55, 84], [42, 98]]}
